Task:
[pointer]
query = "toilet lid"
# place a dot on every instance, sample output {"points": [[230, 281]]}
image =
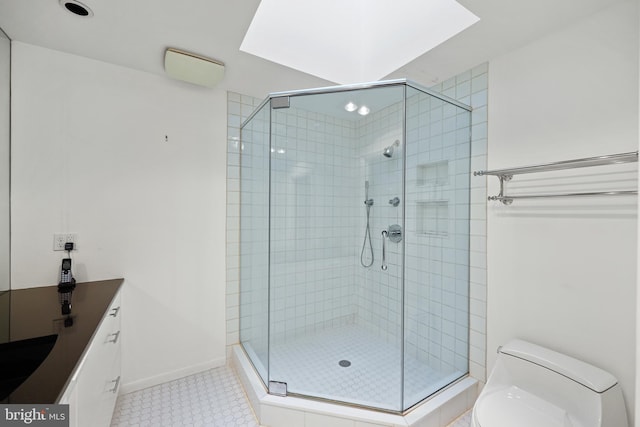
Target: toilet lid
{"points": [[512, 406]]}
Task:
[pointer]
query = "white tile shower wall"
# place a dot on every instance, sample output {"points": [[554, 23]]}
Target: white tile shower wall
{"points": [[312, 280], [470, 88], [312, 183], [437, 197], [380, 291], [254, 237], [239, 107], [437, 327]]}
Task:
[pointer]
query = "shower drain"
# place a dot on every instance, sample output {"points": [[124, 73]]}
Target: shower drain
{"points": [[344, 363]]}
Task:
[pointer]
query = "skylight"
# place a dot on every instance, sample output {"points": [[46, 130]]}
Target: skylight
{"points": [[351, 41]]}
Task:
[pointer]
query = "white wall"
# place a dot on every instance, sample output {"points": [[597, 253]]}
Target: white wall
{"points": [[89, 156], [563, 273]]}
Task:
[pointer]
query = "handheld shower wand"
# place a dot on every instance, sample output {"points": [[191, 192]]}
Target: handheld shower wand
{"points": [[367, 200], [367, 233]]}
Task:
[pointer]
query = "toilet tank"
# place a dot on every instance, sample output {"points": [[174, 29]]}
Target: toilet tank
{"points": [[589, 394]]}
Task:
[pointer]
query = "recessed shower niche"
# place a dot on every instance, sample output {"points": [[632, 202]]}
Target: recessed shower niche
{"points": [[432, 218], [433, 192], [321, 282], [433, 174]]}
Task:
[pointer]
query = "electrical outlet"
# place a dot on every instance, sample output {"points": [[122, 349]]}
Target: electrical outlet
{"points": [[59, 239]]}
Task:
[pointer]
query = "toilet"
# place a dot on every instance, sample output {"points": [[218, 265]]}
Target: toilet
{"points": [[532, 386]]}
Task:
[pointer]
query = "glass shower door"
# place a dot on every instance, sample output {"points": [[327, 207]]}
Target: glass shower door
{"points": [[254, 240], [437, 245], [335, 322]]}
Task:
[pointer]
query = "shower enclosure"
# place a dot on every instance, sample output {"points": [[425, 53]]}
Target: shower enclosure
{"points": [[354, 243]]}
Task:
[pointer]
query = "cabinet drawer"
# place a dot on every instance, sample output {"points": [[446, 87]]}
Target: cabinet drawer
{"points": [[98, 379], [111, 319]]}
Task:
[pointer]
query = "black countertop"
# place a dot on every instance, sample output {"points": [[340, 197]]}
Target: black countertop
{"points": [[36, 312]]}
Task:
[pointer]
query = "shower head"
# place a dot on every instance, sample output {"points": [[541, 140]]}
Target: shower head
{"points": [[388, 152]]}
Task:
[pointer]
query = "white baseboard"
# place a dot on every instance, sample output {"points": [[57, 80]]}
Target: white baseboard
{"points": [[170, 376]]}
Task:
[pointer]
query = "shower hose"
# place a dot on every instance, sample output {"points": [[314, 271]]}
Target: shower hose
{"points": [[367, 235]]}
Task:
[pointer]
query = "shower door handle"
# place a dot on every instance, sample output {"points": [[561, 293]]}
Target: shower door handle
{"points": [[385, 234]]}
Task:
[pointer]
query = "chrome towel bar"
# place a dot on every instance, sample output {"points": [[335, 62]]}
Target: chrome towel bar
{"points": [[505, 175]]}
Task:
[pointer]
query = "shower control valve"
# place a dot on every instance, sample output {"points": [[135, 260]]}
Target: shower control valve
{"points": [[395, 233]]}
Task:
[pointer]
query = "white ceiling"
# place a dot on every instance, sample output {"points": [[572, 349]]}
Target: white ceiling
{"points": [[135, 33]]}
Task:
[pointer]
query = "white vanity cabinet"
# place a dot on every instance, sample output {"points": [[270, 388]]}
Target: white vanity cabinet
{"points": [[93, 388]]}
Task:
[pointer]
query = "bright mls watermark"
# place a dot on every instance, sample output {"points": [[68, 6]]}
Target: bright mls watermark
{"points": [[34, 415]]}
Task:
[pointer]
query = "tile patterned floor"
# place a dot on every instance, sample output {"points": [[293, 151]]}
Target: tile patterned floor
{"points": [[212, 398]]}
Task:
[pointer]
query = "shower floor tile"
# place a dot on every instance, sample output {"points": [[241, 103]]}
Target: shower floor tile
{"points": [[310, 365]]}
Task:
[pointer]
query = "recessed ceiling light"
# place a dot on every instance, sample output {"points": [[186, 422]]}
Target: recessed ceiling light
{"points": [[76, 8], [364, 110], [350, 107]]}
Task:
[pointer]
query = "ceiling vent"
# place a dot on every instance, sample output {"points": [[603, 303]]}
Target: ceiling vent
{"points": [[193, 68]]}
